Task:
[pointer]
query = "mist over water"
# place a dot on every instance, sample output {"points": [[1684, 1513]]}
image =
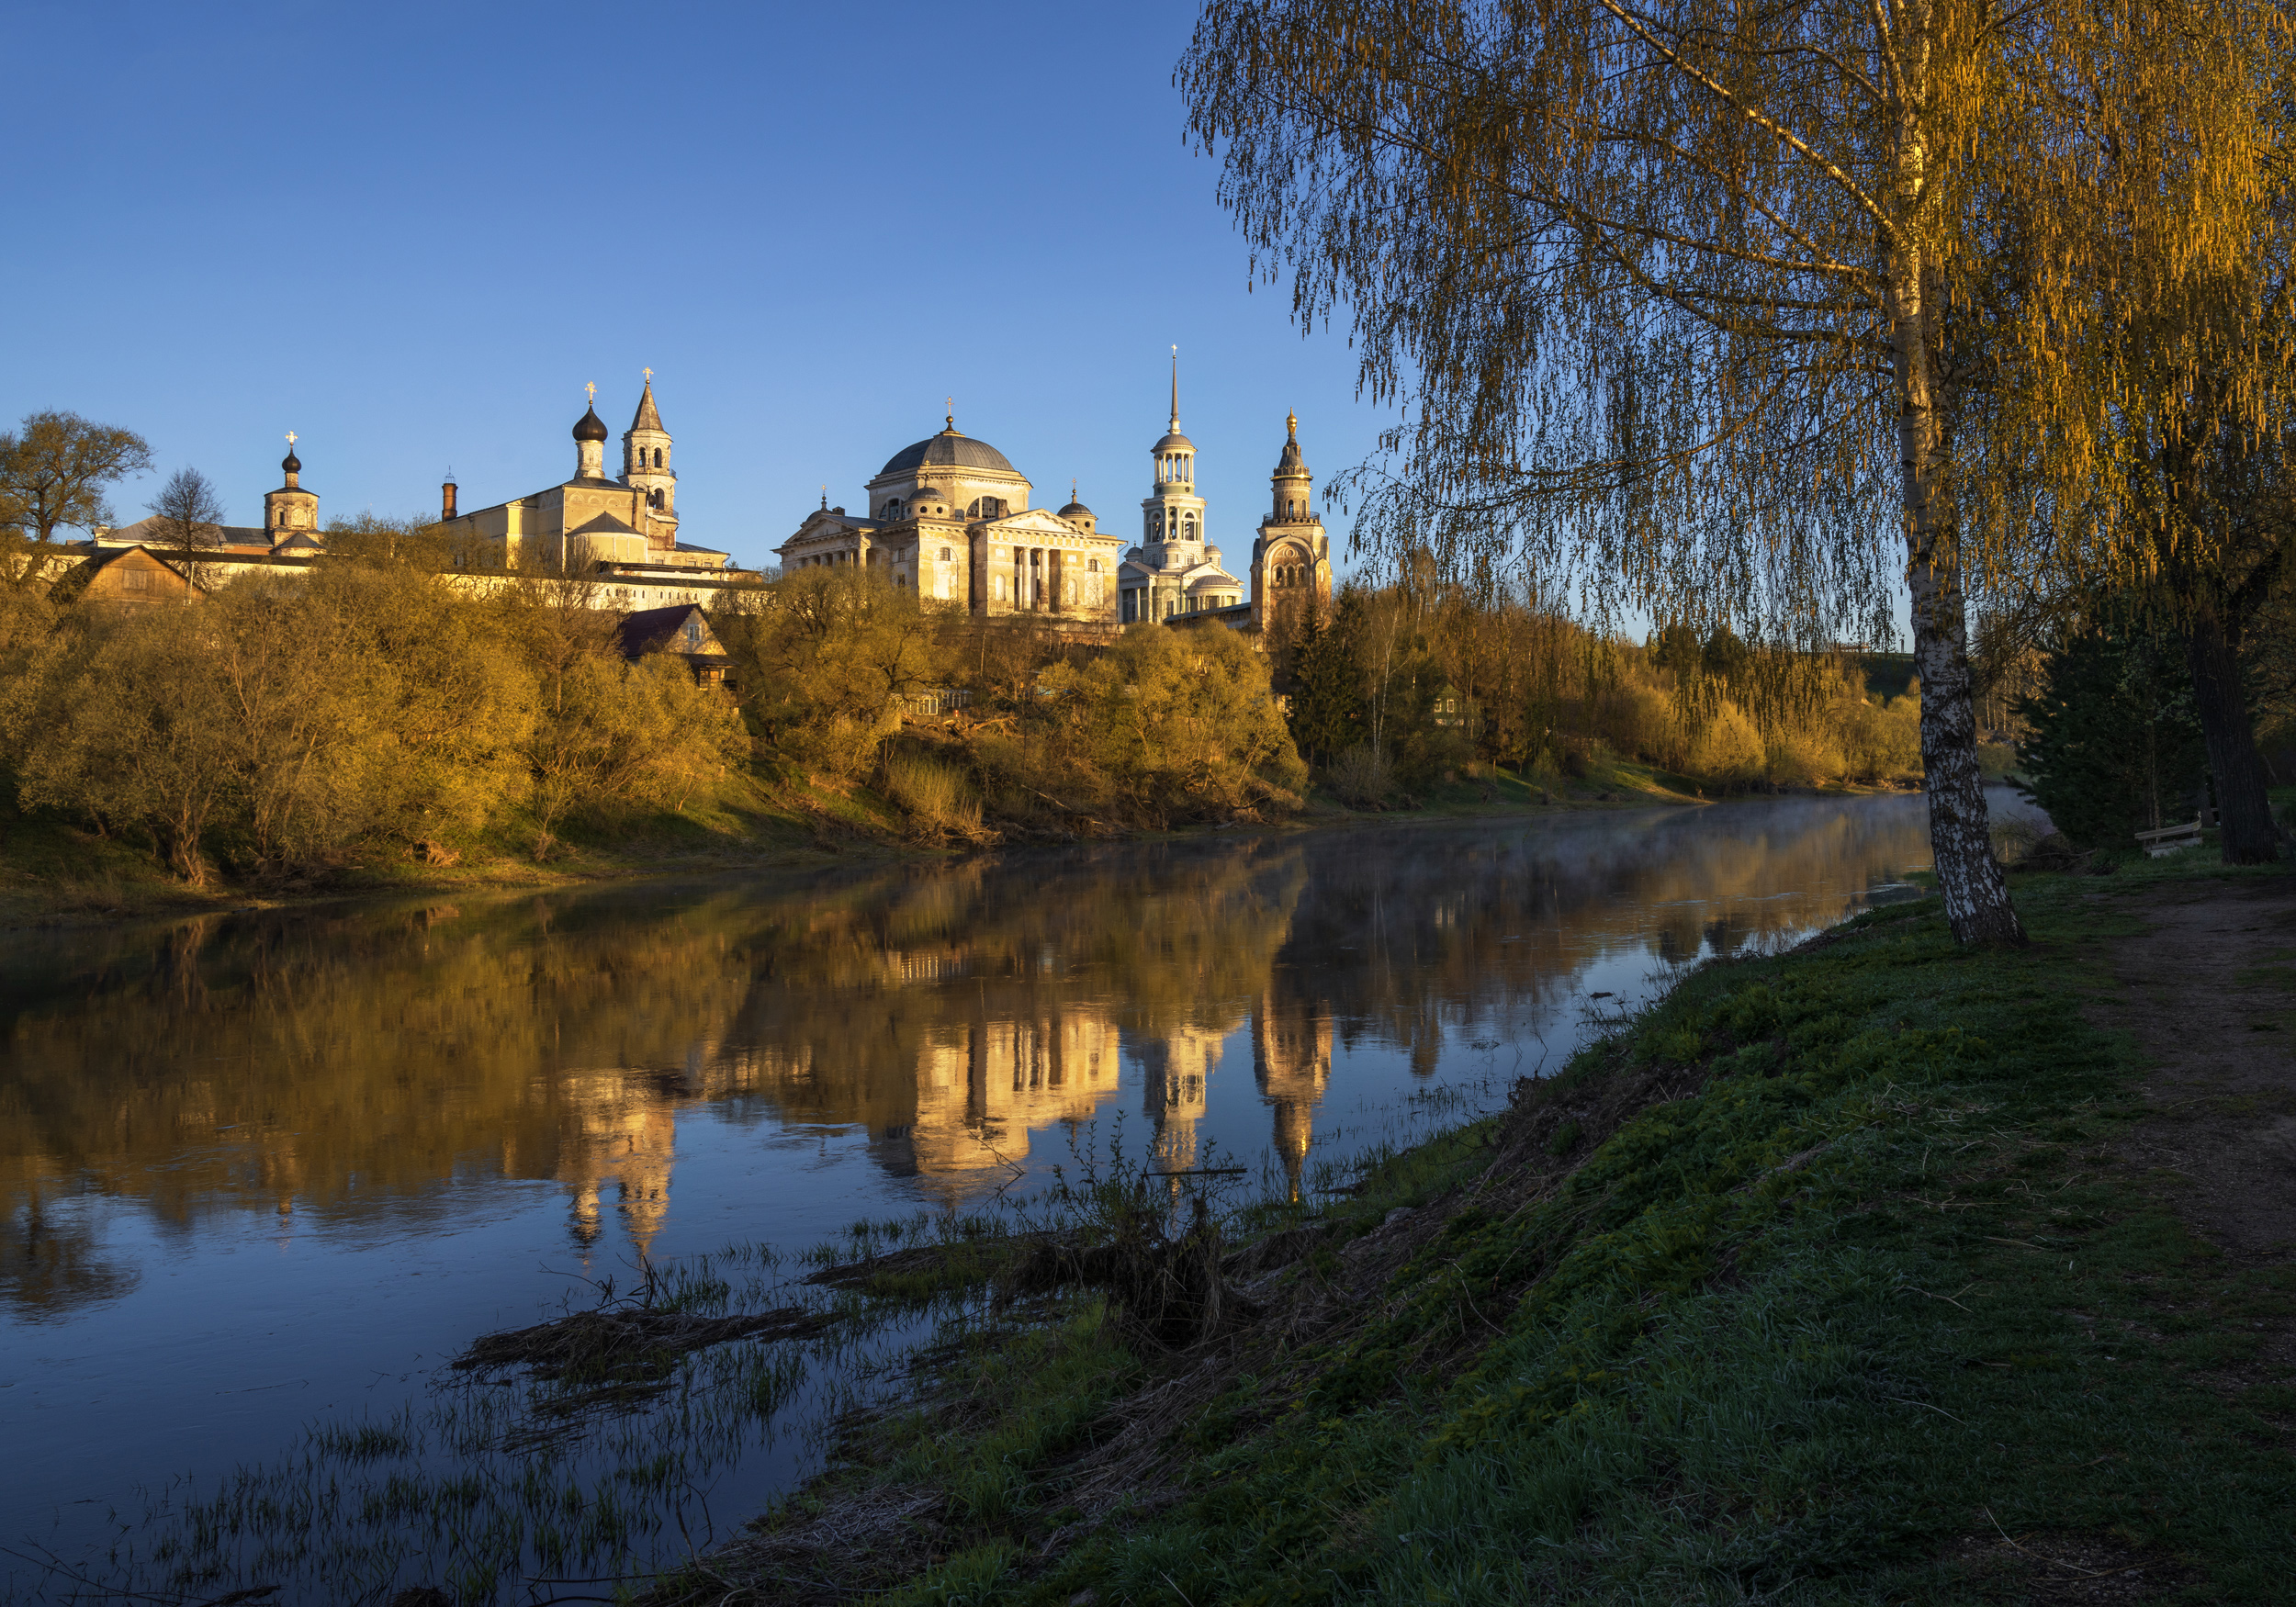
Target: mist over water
{"points": [[269, 1168]]}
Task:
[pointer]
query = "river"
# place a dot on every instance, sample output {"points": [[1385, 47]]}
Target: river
{"points": [[269, 1170]]}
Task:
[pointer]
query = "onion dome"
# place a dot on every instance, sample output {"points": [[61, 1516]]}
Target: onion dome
{"points": [[290, 463], [591, 427]]}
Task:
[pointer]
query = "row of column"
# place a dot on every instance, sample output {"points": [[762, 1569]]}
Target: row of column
{"points": [[1038, 581]]}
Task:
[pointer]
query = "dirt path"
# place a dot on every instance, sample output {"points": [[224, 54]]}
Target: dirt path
{"points": [[2209, 993]]}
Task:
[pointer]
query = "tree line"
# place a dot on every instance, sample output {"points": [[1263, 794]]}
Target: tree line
{"points": [[295, 725], [1404, 684]]}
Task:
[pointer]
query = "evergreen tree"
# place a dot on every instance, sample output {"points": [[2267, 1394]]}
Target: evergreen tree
{"points": [[2114, 744], [1326, 710]]}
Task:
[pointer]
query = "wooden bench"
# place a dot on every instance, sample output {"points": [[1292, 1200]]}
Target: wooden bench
{"points": [[2171, 839]]}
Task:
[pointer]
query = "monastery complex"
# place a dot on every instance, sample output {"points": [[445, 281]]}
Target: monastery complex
{"points": [[949, 517]]}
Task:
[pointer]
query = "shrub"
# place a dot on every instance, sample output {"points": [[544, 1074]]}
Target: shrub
{"points": [[935, 796], [1360, 777]]}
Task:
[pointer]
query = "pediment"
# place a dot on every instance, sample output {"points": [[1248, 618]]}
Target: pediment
{"points": [[1040, 521], [822, 525]]}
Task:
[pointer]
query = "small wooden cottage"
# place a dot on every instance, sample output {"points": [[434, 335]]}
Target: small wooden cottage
{"points": [[682, 629], [132, 576]]}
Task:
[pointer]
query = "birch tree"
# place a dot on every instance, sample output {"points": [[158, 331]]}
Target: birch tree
{"points": [[1716, 312]]}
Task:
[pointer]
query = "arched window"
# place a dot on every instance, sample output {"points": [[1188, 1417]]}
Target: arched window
{"points": [[658, 457]]}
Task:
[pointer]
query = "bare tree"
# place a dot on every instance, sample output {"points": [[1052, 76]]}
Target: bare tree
{"points": [[1717, 312], [187, 518], [187, 514]]}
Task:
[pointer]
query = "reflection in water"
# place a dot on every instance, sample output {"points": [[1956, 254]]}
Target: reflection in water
{"points": [[361, 1074]]}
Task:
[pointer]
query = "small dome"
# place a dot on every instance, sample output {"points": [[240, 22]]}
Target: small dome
{"points": [[592, 428], [1174, 442], [1075, 510], [290, 463]]}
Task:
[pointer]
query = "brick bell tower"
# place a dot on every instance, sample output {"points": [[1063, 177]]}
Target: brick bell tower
{"points": [[1291, 556], [645, 468]]}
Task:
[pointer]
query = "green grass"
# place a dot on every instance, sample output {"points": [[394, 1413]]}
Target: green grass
{"points": [[1693, 1373]]}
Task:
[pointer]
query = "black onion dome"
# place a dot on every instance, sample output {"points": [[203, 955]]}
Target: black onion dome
{"points": [[949, 449], [290, 463], [591, 427]]}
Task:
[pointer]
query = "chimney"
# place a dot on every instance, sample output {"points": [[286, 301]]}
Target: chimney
{"points": [[446, 498]]}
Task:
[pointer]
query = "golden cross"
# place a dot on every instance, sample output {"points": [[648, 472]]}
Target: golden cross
{"points": [[290, 437], [649, 375], [593, 394]]}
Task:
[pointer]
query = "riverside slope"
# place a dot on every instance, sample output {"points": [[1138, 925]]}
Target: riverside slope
{"points": [[1880, 1271]]}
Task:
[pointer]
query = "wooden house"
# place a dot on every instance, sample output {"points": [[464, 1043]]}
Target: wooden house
{"points": [[132, 576], [682, 629]]}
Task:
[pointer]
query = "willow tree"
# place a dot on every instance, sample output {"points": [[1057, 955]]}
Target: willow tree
{"points": [[1707, 311]]}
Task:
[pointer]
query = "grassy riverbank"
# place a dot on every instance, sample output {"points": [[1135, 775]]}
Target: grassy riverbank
{"points": [[1876, 1272]]}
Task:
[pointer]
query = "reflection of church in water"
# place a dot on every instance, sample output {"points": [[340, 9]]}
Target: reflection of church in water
{"points": [[985, 1091], [620, 1140]]}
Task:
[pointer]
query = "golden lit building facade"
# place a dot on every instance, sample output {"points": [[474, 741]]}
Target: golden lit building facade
{"points": [[619, 533], [950, 519]]}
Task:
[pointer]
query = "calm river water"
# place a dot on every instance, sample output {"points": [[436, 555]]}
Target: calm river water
{"points": [[269, 1169]]}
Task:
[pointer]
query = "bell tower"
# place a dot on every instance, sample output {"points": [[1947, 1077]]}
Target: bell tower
{"points": [[646, 465], [290, 510], [1172, 527], [1291, 556]]}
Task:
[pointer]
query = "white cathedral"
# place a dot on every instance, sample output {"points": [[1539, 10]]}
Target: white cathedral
{"points": [[950, 517]]}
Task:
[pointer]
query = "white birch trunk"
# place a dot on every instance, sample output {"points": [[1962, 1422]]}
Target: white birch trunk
{"points": [[1976, 896]]}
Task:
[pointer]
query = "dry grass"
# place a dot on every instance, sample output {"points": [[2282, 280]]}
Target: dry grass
{"points": [[936, 797], [615, 1357]]}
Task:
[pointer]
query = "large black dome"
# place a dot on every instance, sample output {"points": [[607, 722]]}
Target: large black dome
{"points": [[951, 449], [589, 427]]}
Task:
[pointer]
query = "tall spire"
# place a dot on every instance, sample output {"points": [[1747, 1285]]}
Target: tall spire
{"points": [[1176, 390], [647, 418]]}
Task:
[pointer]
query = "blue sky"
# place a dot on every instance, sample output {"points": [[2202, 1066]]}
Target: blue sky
{"points": [[411, 233]]}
